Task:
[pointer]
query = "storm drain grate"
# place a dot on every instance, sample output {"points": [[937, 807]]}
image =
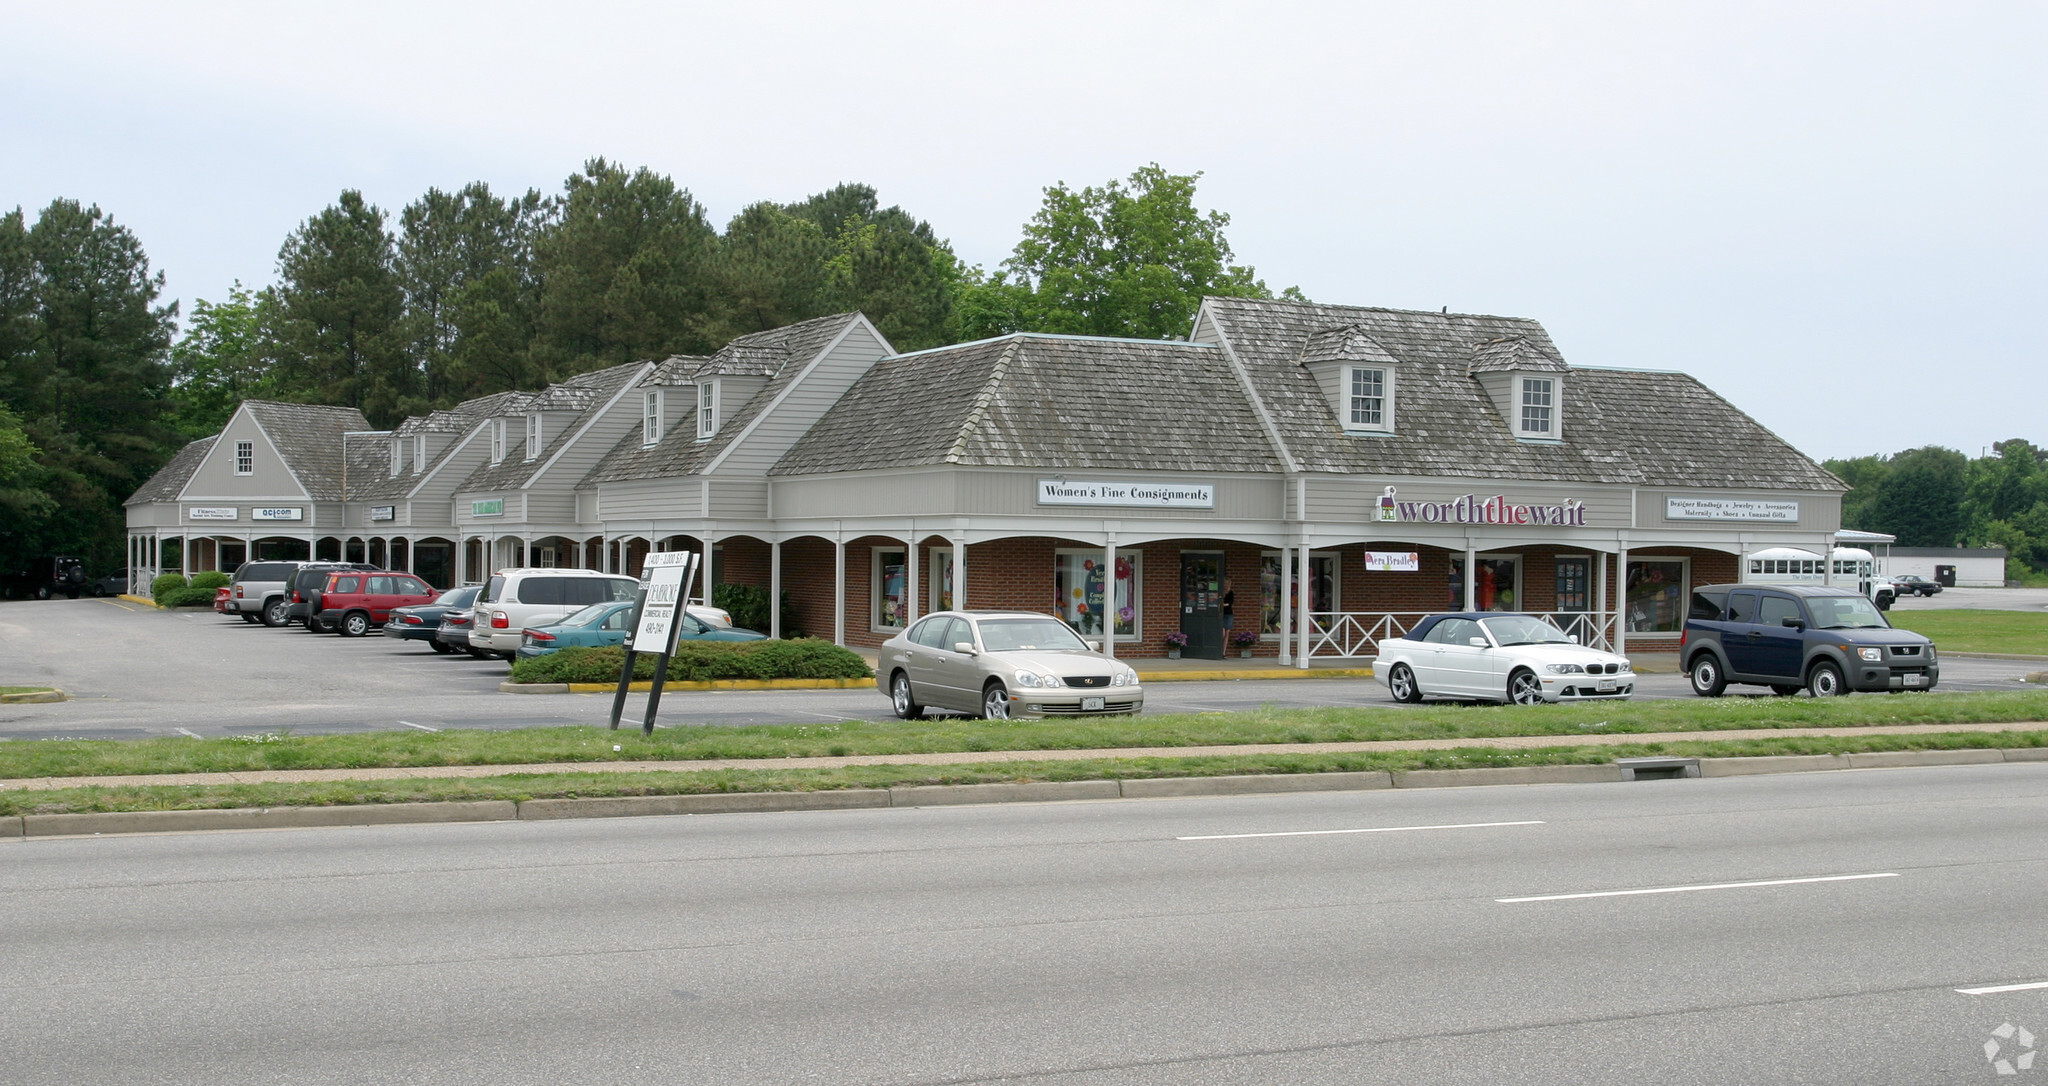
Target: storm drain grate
{"points": [[1658, 769]]}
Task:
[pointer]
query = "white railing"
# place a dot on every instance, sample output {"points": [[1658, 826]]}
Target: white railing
{"points": [[1343, 634]]}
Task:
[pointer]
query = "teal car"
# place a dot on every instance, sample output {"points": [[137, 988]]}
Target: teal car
{"points": [[608, 623]]}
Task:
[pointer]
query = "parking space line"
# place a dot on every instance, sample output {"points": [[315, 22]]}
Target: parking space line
{"points": [[1691, 889], [191, 734], [1996, 989], [1370, 829], [421, 727]]}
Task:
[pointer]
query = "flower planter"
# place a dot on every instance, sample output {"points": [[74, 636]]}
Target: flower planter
{"points": [[1173, 654], [1246, 653]]}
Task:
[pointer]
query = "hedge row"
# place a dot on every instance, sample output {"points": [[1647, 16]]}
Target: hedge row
{"points": [[701, 661], [173, 590]]}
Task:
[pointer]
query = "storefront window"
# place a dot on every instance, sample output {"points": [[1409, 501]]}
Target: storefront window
{"points": [[889, 590], [1078, 581], [942, 580], [1574, 580], [1499, 585], [1322, 588], [1654, 595]]}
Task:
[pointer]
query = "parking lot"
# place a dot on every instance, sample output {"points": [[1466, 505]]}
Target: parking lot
{"points": [[134, 672]]}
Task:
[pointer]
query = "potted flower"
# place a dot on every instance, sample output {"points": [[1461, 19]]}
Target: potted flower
{"points": [[1244, 640], [1175, 641]]}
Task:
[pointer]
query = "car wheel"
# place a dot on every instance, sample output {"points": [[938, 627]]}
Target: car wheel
{"points": [[900, 697], [1825, 681], [1785, 691], [355, 624], [274, 613], [995, 701], [1401, 684], [1707, 680], [481, 654], [42, 592], [1524, 688]]}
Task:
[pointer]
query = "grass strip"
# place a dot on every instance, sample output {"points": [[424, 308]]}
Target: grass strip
{"points": [[700, 782], [24, 689], [2013, 633], [1336, 724]]}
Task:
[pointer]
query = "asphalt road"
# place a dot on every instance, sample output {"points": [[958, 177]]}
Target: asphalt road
{"points": [[135, 672], [1822, 928]]}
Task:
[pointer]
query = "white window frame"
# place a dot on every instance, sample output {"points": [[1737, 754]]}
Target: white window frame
{"points": [[533, 436], [1348, 401], [397, 457], [1551, 408], [1134, 555], [419, 453], [245, 458], [875, 587], [497, 441], [707, 410], [650, 417], [1682, 604], [936, 578], [1521, 571], [1336, 560]]}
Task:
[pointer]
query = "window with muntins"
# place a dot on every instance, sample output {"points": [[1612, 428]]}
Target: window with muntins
{"points": [[707, 410], [650, 417], [497, 440], [419, 453], [245, 458], [532, 436], [1538, 395], [1366, 399], [397, 457]]}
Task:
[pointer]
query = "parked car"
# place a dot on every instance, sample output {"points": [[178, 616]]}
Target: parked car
{"points": [[1001, 664], [113, 584], [352, 602], [302, 593], [422, 621], [261, 591], [602, 624], [514, 599], [454, 633], [1496, 656], [1913, 585], [49, 575], [1825, 640], [220, 599]]}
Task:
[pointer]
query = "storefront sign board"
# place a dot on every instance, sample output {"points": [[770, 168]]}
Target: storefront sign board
{"points": [[277, 514], [383, 512], [489, 507], [1392, 561], [1478, 509], [213, 512], [1145, 495], [1730, 509]]}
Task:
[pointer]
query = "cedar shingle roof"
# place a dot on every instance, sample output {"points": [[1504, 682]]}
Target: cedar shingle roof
{"points": [[1042, 401], [1621, 427], [308, 438], [585, 393], [170, 479]]}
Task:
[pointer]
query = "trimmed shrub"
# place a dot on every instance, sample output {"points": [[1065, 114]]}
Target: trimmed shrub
{"points": [[748, 607], [191, 596], [165, 585], [700, 661], [210, 580]]}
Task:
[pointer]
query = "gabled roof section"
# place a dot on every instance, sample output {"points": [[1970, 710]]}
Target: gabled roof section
{"points": [[586, 393], [1042, 401], [779, 355], [308, 439], [1620, 427], [1348, 344], [1511, 354], [169, 480]]}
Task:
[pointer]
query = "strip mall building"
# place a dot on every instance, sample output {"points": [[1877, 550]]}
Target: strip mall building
{"points": [[1408, 462]]}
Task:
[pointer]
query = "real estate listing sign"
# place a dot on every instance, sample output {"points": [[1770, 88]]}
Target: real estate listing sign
{"points": [[1143, 495], [1730, 509], [667, 576]]}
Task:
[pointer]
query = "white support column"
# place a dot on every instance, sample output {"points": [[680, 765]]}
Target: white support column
{"points": [[1621, 601], [1600, 589], [1471, 576], [1286, 613], [1302, 623], [775, 588], [960, 573], [579, 554], [910, 600], [1108, 598], [839, 591]]}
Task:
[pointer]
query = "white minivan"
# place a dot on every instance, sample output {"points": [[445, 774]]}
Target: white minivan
{"points": [[514, 599]]}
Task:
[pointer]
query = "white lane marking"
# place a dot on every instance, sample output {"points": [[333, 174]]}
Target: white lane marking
{"points": [[1690, 889], [183, 732], [827, 716], [2004, 988], [421, 727], [1374, 829]]}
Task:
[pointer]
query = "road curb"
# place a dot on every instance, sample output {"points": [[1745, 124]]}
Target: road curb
{"points": [[34, 697], [952, 795]]}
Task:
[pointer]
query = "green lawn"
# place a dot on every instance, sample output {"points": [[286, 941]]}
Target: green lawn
{"points": [[23, 689], [2021, 633]]}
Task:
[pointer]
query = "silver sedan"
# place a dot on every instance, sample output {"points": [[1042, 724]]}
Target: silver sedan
{"points": [[1002, 664]]}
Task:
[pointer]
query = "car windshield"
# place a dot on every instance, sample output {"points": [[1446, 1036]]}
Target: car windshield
{"points": [[1038, 634], [1524, 630], [457, 597], [1845, 613], [588, 615]]}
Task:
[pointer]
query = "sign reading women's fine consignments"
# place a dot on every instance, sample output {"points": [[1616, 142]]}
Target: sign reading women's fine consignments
{"points": [[664, 594], [1155, 495]]}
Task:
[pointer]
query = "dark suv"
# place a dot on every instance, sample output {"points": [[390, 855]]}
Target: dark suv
{"points": [[301, 601], [1828, 640]]}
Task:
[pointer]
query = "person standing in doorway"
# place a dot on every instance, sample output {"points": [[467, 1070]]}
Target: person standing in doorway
{"points": [[1229, 600]]}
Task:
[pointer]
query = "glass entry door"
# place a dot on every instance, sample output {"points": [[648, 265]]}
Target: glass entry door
{"points": [[1201, 604]]}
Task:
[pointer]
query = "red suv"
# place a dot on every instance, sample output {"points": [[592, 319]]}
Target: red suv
{"points": [[353, 601]]}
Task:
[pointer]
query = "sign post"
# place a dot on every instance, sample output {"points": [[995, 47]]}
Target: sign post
{"points": [[664, 591]]}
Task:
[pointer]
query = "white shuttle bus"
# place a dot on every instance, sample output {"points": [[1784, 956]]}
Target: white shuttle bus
{"points": [[1853, 566]]}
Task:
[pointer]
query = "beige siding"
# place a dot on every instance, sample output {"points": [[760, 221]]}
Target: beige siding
{"points": [[805, 402], [648, 499], [739, 498], [960, 492], [271, 483]]}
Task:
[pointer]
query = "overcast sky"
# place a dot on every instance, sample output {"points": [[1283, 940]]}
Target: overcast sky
{"points": [[1832, 214]]}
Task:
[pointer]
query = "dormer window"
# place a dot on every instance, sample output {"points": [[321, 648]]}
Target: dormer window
{"points": [[245, 458], [532, 436], [419, 453], [397, 457], [1368, 398], [1538, 401], [497, 441], [707, 410], [650, 417]]}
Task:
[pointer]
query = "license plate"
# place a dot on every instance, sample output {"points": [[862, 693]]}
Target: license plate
{"points": [[1916, 680], [1607, 686], [1088, 704]]}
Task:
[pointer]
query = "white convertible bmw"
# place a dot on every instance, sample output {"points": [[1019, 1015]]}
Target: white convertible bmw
{"points": [[1499, 657]]}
